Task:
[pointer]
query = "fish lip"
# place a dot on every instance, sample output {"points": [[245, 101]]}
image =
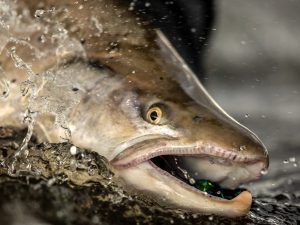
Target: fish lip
{"points": [[145, 150], [236, 207], [241, 203], [125, 146], [131, 156]]}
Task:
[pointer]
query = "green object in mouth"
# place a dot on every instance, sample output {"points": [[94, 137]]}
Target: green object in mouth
{"points": [[204, 185], [215, 189]]}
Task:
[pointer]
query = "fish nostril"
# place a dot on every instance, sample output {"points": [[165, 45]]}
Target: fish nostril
{"points": [[197, 119]]}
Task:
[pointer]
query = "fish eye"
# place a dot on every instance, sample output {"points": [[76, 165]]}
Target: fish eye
{"points": [[154, 115]]}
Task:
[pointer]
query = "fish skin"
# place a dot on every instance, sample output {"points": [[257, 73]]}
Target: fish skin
{"points": [[134, 69]]}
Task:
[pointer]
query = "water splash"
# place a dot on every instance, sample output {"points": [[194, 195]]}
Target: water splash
{"points": [[4, 36], [98, 26], [30, 84], [42, 92], [4, 85], [18, 162]]}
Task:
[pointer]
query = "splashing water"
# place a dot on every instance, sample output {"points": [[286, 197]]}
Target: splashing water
{"points": [[4, 85], [19, 161], [41, 92], [4, 37], [44, 93]]}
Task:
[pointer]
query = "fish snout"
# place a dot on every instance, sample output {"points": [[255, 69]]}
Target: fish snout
{"points": [[231, 141], [255, 149]]}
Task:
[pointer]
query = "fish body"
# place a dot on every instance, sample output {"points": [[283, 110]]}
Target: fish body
{"points": [[94, 73]]}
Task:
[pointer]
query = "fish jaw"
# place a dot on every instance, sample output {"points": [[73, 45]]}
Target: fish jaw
{"points": [[135, 167], [146, 177]]}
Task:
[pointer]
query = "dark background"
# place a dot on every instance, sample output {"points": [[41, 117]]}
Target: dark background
{"points": [[253, 71], [186, 23]]}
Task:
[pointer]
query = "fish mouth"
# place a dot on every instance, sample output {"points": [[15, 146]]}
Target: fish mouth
{"points": [[207, 170]]}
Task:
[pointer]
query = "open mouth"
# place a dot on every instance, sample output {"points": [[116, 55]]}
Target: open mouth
{"points": [[200, 177], [207, 168], [174, 165]]}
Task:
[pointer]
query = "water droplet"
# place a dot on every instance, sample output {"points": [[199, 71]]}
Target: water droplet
{"points": [[131, 6], [264, 172], [4, 86], [285, 161], [51, 182], [42, 38], [181, 216], [195, 216], [193, 30], [39, 13], [210, 218], [73, 150], [98, 26], [192, 181], [243, 147], [292, 159]]}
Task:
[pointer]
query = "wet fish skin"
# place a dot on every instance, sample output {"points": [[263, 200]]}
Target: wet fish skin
{"points": [[133, 73]]}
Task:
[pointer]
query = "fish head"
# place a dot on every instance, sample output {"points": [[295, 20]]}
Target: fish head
{"points": [[179, 144], [182, 152], [188, 153]]}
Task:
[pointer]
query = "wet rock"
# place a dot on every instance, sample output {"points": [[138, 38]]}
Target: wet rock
{"points": [[284, 198]]}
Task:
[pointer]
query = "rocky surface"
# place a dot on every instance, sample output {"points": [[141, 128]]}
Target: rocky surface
{"points": [[77, 187]]}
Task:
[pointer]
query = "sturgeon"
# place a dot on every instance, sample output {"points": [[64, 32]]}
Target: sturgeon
{"points": [[126, 94]]}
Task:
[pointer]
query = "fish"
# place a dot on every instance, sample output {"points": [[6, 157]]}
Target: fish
{"points": [[96, 74]]}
